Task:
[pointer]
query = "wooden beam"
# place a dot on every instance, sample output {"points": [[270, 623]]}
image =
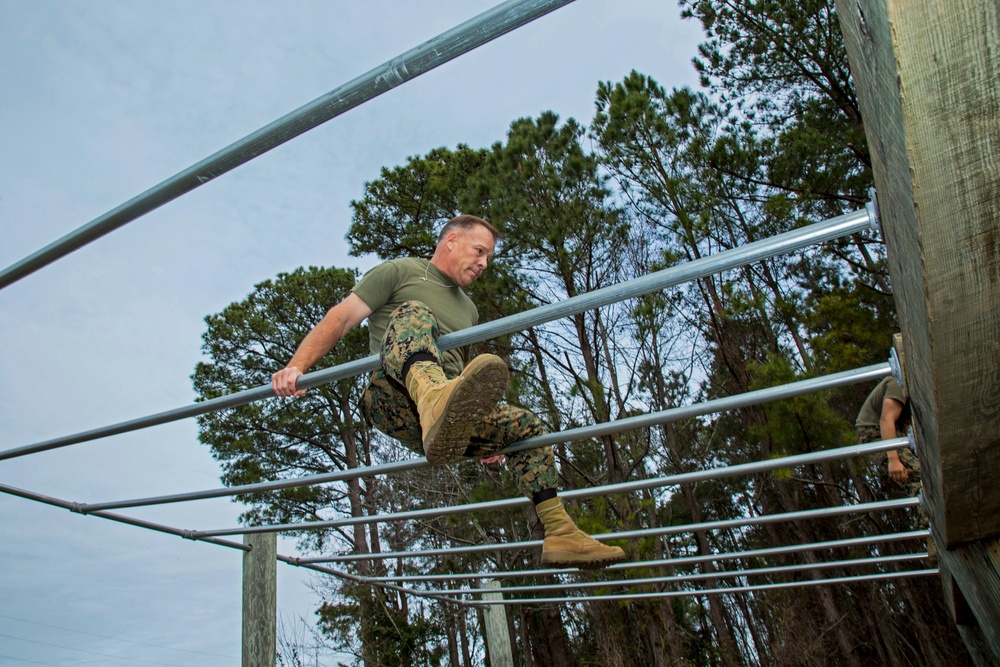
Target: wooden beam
{"points": [[497, 630], [971, 578], [260, 600], [926, 76]]}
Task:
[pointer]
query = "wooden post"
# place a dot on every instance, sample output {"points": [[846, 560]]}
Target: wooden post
{"points": [[260, 600], [925, 73], [497, 632]]}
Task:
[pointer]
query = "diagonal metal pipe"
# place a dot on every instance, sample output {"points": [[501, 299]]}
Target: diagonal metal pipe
{"points": [[800, 515], [448, 45], [882, 576], [680, 561], [74, 507], [685, 578], [624, 487], [291, 560], [787, 242], [759, 396]]}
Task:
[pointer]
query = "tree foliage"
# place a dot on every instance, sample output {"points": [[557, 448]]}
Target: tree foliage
{"points": [[772, 141], [274, 440]]}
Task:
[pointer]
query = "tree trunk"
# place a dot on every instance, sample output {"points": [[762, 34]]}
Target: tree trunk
{"points": [[716, 608], [834, 616], [463, 633], [451, 632]]}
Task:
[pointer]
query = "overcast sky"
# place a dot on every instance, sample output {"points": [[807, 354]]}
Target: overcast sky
{"points": [[100, 101]]}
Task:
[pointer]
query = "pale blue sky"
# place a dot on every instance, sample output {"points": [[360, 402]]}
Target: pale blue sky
{"points": [[100, 101]]}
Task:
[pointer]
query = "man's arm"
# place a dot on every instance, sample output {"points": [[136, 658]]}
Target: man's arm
{"points": [[891, 411], [340, 319]]}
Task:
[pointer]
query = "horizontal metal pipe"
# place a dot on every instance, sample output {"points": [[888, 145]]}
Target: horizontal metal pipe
{"points": [[684, 578], [448, 45], [624, 487], [800, 515], [708, 591], [780, 244], [306, 480], [365, 580], [756, 397], [873, 372], [439, 596], [821, 513], [675, 275], [73, 507], [664, 562]]}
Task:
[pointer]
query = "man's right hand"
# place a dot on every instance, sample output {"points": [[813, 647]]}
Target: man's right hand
{"points": [[283, 382], [898, 472]]}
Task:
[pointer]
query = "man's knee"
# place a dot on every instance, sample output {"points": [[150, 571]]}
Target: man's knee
{"points": [[526, 424], [412, 314]]}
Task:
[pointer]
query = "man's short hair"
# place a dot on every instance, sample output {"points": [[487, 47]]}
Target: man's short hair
{"points": [[465, 222]]}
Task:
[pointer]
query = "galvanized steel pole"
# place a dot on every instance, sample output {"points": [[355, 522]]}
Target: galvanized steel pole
{"points": [[74, 507], [676, 275], [801, 515], [696, 576], [882, 576], [448, 45], [624, 487], [756, 397], [663, 562]]}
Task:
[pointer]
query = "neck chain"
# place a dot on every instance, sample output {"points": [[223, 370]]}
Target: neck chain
{"points": [[431, 280]]}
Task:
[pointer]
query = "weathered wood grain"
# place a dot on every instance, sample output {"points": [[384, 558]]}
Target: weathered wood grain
{"points": [[926, 74], [260, 600]]}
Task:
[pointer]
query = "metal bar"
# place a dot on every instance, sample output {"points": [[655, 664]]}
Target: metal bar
{"points": [[698, 576], [821, 513], [493, 505], [712, 591], [800, 515], [365, 580], [675, 275], [187, 534], [666, 562], [56, 502], [874, 372], [756, 397], [448, 45], [306, 480]]}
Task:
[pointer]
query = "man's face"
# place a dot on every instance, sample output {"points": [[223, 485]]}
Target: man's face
{"points": [[470, 250]]}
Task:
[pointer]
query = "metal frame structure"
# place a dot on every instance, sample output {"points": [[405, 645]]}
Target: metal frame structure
{"points": [[421, 59], [503, 18]]}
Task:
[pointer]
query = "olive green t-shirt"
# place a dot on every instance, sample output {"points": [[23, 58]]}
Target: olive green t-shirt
{"points": [[871, 409], [390, 284]]}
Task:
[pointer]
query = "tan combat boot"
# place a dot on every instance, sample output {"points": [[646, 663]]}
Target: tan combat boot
{"points": [[566, 545], [450, 410]]}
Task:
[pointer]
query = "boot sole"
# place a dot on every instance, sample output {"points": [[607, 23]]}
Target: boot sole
{"points": [[570, 559], [481, 387]]}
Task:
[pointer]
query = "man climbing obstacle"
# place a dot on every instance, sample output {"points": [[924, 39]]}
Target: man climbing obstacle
{"points": [[885, 415], [445, 405]]}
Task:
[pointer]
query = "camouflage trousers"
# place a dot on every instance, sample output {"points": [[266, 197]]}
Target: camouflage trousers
{"points": [[909, 460], [387, 405]]}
